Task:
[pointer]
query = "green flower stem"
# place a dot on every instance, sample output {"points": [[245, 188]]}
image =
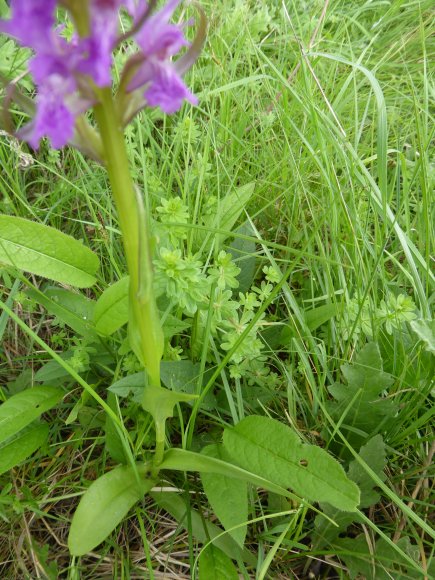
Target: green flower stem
{"points": [[160, 447], [145, 331]]}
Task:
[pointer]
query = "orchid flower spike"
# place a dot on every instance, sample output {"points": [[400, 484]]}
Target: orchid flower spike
{"points": [[68, 71]]}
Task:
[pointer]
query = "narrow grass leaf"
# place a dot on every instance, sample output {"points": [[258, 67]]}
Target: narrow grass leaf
{"points": [[228, 212]]}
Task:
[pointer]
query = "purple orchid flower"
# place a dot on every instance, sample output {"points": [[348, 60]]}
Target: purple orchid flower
{"points": [[159, 41], [61, 69], [31, 22]]}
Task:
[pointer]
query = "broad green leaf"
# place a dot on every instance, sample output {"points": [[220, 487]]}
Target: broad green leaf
{"points": [[172, 326], [228, 212], [23, 408], [134, 384], [182, 460], [425, 330], [17, 449], [203, 531], [228, 496], [179, 376], [45, 251], [314, 318], [111, 309], [380, 562], [215, 565], [113, 441], [361, 401], [272, 449], [182, 376], [373, 453], [52, 372], [111, 312], [103, 506], [243, 252], [366, 371], [160, 403], [73, 309]]}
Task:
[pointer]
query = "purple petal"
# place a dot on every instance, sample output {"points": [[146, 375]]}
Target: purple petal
{"points": [[99, 45], [166, 89], [157, 37], [58, 58], [31, 21], [53, 117]]}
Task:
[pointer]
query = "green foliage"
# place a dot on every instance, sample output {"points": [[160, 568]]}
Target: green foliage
{"points": [[203, 531], [70, 308], [366, 318], [181, 460], [23, 408], [42, 250], [378, 562], [360, 407], [216, 565], [180, 279], [268, 447], [425, 331], [228, 210], [20, 446], [111, 309], [20, 435], [228, 497], [105, 503], [373, 454], [342, 202]]}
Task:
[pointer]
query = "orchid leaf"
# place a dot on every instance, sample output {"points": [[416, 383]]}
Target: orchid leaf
{"points": [[23, 408], [227, 495], [104, 505], [216, 565], [16, 449], [44, 251]]}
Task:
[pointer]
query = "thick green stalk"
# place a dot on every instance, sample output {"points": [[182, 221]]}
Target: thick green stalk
{"points": [[145, 331]]}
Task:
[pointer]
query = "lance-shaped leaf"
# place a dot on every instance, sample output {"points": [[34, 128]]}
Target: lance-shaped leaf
{"points": [[111, 309], [425, 330], [182, 460], [46, 252], [17, 449], [228, 212], [23, 408], [272, 449], [104, 505], [201, 529], [227, 495], [73, 309], [216, 565]]}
